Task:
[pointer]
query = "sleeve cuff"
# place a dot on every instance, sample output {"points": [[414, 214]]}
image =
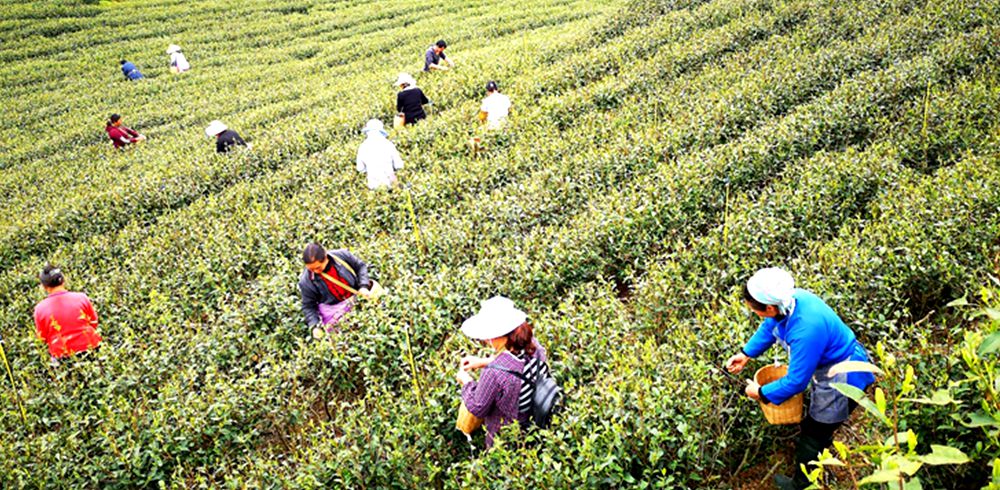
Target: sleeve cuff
{"points": [[744, 352], [763, 398]]}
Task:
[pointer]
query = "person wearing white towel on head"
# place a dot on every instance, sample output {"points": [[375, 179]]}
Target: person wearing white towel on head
{"points": [[495, 107], [378, 157], [178, 62], [816, 340]]}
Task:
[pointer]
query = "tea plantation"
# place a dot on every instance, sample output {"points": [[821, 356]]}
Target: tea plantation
{"points": [[658, 153]]}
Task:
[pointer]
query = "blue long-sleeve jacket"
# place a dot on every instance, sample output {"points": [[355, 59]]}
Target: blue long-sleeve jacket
{"points": [[815, 338], [131, 71]]}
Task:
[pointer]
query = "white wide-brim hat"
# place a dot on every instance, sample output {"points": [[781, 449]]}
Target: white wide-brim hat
{"points": [[215, 127], [373, 125], [497, 317], [405, 78], [173, 48]]}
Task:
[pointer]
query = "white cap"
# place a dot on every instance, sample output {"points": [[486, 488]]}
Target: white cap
{"points": [[405, 78], [215, 127], [173, 48], [497, 317], [373, 125]]}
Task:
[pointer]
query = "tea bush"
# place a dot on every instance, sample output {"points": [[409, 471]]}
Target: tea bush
{"points": [[658, 153]]}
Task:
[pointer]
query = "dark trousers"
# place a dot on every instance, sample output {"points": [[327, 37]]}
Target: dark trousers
{"points": [[814, 437]]}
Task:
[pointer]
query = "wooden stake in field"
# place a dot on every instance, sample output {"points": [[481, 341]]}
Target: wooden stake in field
{"points": [[13, 384], [413, 220]]}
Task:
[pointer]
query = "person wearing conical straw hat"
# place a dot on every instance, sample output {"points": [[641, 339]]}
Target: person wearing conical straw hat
{"points": [[816, 340], [178, 62], [225, 138], [497, 396], [378, 157], [410, 99]]}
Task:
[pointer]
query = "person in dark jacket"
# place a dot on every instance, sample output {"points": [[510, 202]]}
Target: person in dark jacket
{"points": [[434, 58], [410, 100], [130, 71], [120, 135], [225, 138], [329, 285]]}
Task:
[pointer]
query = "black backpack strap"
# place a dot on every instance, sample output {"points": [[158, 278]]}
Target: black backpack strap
{"points": [[519, 375]]}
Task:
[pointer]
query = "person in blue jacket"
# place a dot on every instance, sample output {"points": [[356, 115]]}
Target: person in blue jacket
{"points": [[130, 71], [816, 339]]}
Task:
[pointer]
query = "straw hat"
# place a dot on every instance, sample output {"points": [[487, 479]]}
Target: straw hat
{"points": [[215, 127], [173, 48], [405, 78], [497, 317]]}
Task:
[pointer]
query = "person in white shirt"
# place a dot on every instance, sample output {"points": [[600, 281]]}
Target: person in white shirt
{"points": [[377, 156], [495, 108], [178, 62]]}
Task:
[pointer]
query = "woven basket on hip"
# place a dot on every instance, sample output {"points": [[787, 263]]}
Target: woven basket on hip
{"points": [[467, 422], [789, 412]]}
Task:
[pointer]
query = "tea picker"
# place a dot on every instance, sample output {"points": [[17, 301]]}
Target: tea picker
{"points": [[515, 383], [120, 135], [378, 157], [65, 320], [495, 107], [435, 59], [410, 101], [130, 71], [178, 62], [816, 340], [225, 138], [331, 285]]}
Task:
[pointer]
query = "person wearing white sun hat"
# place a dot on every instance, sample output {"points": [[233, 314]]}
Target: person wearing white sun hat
{"points": [[225, 138], [378, 157], [178, 62], [410, 99], [499, 397]]}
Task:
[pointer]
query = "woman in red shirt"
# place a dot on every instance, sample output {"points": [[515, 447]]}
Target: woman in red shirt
{"points": [[66, 321], [120, 135]]}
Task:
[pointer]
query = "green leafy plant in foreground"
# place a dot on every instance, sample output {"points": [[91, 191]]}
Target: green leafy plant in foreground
{"points": [[973, 401]]}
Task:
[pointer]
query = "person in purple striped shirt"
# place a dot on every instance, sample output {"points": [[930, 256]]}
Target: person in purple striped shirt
{"points": [[495, 397]]}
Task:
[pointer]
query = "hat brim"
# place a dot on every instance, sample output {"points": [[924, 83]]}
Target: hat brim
{"points": [[485, 327], [214, 130]]}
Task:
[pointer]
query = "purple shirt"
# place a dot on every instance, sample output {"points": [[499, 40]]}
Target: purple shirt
{"points": [[494, 397]]}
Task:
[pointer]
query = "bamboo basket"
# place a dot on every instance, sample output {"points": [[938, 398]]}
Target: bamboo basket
{"points": [[467, 422], [789, 412]]}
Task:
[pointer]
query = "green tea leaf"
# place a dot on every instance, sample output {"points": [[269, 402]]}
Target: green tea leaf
{"points": [[859, 396], [978, 419], [944, 455], [939, 397], [882, 476], [963, 301], [990, 345]]}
